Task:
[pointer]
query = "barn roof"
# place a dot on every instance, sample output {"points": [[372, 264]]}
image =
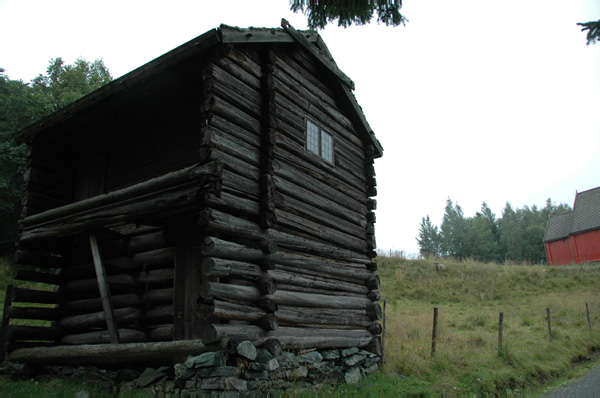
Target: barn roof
{"points": [[586, 211], [310, 41], [558, 227], [584, 217]]}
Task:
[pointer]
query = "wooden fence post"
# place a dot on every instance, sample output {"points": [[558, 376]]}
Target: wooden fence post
{"points": [[587, 311], [549, 323], [383, 336], [500, 325], [435, 331]]}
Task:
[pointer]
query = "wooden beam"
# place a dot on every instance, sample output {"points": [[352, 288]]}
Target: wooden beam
{"points": [[104, 291], [117, 197], [230, 34], [322, 58], [162, 352]]}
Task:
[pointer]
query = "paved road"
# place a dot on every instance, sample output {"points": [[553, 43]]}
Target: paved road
{"points": [[586, 386]]}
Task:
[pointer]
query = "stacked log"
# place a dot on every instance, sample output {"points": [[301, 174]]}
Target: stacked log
{"points": [[292, 257], [139, 266], [260, 240]]}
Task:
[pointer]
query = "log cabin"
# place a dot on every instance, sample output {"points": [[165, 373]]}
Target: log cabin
{"points": [[222, 192]]}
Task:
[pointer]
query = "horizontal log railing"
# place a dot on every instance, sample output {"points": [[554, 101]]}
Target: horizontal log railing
{"points": [[140, 199]]}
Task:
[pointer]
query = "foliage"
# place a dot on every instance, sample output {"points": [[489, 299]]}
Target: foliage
{"points": [[63, 84], [21, 104], [347, 12], [593, 31], [516, 236], [429, 238]]}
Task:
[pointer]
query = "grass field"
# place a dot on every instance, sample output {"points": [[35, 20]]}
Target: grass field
{"points": [[469, 297]]}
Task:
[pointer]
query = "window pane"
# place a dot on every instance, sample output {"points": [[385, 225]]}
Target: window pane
{"points": [[326, 146], [312, 137]]}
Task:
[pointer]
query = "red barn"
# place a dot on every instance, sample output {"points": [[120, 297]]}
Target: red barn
{"points": [[574, 237]]}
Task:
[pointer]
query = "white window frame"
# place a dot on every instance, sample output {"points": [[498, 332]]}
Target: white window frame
{"points": [[319, 141]]}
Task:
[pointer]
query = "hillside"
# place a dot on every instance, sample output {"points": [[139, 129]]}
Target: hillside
{"points": [[469, 297]]}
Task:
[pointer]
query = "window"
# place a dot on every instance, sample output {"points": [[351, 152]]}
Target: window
{"points": [[319, 142]]}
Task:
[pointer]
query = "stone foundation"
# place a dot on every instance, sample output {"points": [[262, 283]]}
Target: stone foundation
{"points": [[242, 368], [249, 369]]}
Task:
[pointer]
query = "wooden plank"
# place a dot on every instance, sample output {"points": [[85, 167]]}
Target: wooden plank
{"points": [[39, 277], [294, 154], [319, 231], [88, 305], [97, 319], [153, 185], [236, 35], [109, 314], [41, 313], [103, 337], [210, 290], [161, 352], [188, 279], [291, 337], [314, 50], [24, 295], [154, 206]]}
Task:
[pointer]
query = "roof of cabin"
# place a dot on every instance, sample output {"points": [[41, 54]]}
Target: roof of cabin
{"points": [[308, 40], [584, 217]]}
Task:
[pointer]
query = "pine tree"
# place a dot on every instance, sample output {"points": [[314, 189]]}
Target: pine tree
{"points": [[429, 238]]}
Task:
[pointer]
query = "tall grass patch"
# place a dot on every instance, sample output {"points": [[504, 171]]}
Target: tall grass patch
{"points": [[469, 296]]}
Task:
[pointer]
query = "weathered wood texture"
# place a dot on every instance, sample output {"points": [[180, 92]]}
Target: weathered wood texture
{"points": [[171, 192], [110, 354], [290, 337], [260, 240]]}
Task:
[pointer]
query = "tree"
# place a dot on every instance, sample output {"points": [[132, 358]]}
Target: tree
{"points": [[22, 104], [453, 231], [510, 234], [19, 107], [64, 84], [593, 31], [429, 238], [347, 12], [482, 240]]}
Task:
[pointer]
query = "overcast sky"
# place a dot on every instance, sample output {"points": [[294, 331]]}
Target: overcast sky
{"points": [[473, 100]]}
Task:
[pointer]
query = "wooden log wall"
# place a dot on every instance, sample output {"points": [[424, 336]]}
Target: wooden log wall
{"points": [[283, 249], [49, 181], [286, 251], [139, 263]]}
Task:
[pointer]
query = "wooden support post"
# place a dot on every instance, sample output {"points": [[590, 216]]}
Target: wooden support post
{"points": [[549, 323], [587, 311], [5, 323], [435, 331], [104, 290], [500, 326], [187, 281]]}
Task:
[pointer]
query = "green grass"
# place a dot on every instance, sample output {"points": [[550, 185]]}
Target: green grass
{"points": [[469, 296]]}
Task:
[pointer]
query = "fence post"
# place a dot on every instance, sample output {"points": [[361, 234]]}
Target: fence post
{"points": [[435, 331], [500, 325], [549, 323], [587, 311], [383, 336]]}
